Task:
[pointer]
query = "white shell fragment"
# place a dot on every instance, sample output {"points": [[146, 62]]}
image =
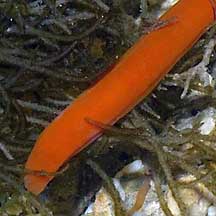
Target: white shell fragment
{"points": [[167, 4], [103, 204], [208, 124], [212, 211], [206, 79], [134, 167], [199, 208], [206, 118], [196, 204]]}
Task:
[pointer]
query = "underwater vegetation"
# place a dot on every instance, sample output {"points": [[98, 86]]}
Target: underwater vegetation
{"points": [[50, 51]]}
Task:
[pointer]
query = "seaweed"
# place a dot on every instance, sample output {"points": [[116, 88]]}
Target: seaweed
{"points": [[119, 209]]}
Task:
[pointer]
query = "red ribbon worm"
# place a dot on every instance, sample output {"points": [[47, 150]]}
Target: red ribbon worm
{"points": [[137, 73]]}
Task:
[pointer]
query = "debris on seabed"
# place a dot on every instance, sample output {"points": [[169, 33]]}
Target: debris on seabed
{"points": [[196, 203]]}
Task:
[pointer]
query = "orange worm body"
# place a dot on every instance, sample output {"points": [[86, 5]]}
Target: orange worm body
{"points": [[134, 77]]}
